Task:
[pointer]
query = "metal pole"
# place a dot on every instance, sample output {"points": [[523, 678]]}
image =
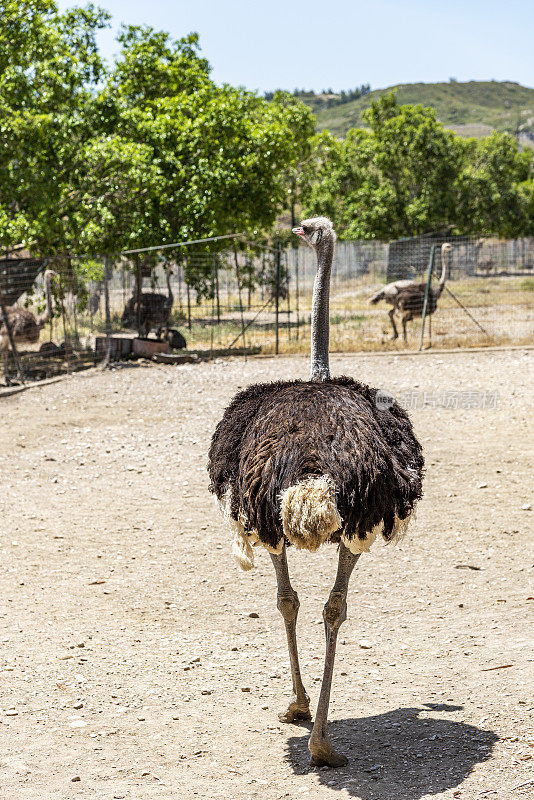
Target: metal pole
{"points": [[427, 290], [138, 286], [188, 303], [107, 310], [240, 301], [296, 251], [66, 335], [216, 265], [277, 297], [467, 312]]}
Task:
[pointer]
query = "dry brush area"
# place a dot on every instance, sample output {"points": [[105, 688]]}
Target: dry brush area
{"points": [[138, 662]]}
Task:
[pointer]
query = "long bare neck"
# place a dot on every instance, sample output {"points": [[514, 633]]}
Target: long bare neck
{"points": [[170, 297], [44, 318], [444, 273], [320, 324]]}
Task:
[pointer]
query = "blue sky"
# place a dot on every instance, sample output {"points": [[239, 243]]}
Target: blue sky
{"points": [[342, 44]]}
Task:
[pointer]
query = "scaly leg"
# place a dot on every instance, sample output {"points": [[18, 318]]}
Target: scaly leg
{"points": [[404, 335], [334, 614], [392, 318], [288, 605]]}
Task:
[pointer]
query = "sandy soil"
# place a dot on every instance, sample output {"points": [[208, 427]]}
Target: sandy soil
{"points": [[138, 662]]}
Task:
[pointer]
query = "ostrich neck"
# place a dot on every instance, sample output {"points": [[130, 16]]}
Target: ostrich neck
{"points": [[170, 297], [443, 276], [320, 324]]}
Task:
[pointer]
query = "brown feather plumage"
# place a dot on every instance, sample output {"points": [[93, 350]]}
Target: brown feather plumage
{"points": [[275, 435]]}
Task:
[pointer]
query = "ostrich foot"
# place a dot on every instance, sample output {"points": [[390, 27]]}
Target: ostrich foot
{"points": [[324, 755], [296, 710]]}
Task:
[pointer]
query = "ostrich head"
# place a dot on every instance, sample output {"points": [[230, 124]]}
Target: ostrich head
{"points": [[316, 230]]}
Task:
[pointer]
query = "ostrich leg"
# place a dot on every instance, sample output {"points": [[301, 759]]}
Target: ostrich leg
{"points": [[404, 334], [334, 614], [392, 318], [288, 605]]}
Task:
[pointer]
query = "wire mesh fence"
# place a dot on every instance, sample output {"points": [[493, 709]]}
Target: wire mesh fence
{"points": [[64, 313]]}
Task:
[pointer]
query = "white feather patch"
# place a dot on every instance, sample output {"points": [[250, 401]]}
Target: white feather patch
{"points": [[243, 540]]}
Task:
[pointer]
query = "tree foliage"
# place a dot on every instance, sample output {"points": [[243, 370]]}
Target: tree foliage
{"points": [[408, 175]]}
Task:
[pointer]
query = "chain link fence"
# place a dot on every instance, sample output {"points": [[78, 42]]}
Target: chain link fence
{"points": [[250, 298]]}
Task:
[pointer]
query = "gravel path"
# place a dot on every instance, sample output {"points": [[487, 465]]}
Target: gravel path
{"points": [[138, 661]]}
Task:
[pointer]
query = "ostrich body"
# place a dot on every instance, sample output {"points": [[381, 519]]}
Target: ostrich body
{"points": [[154, 312], [389, 292], [308, 462], [410, 301], [175, 339], [25, 325]]}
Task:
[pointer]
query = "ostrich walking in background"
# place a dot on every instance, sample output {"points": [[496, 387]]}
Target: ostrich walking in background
{"points": [[410, 300], [154, 312], [25, 325], [309, 462]]}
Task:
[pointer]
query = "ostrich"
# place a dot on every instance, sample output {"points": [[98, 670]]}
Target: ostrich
{"points": [[485, 263], [409, 301], [175, 339], [25, 325], [155, 310], [307, 462]]}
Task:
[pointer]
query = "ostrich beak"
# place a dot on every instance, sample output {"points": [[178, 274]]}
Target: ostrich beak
{"points": [[299, 231]]}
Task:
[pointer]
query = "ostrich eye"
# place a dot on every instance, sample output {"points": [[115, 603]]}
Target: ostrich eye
{"points": [[306, 228]]}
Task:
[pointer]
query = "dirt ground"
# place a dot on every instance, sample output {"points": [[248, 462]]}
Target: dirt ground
{"points": [[139, 662]]}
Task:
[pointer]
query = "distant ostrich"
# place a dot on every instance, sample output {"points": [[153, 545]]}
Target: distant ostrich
{"points": [[308, 462], [175, 339], [485, 263], [155, 310], [389, 292], [25, 325], [410, 300]]}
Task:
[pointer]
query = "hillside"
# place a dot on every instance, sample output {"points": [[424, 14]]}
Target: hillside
{"points": [[473, 108]]}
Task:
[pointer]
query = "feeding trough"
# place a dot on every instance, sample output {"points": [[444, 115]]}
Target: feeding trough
{"points": [[119, 347], [146, 348]]}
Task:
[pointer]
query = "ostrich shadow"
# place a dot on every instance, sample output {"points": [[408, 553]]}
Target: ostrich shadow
{"points": [[398, 754]]}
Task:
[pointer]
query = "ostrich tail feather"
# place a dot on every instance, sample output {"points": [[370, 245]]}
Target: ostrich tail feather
{"points": [[309, 512], [241, 547], [242, 550]]}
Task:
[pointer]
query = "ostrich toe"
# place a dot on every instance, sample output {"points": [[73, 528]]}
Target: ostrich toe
{"points": [[296, 711], [324, 755]]}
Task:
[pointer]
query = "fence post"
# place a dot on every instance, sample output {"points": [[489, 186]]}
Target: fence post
{"points": [[216, 265], [138, 290], [240, 300], [12, 344], [296, 251], [188, 295], [427, 290], [277, 294], [107, 310]]}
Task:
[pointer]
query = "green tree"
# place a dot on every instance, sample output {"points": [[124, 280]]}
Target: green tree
{"points": [[408, 175], [222, 153], [494, 188], [49, 63], [396, 179]]}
